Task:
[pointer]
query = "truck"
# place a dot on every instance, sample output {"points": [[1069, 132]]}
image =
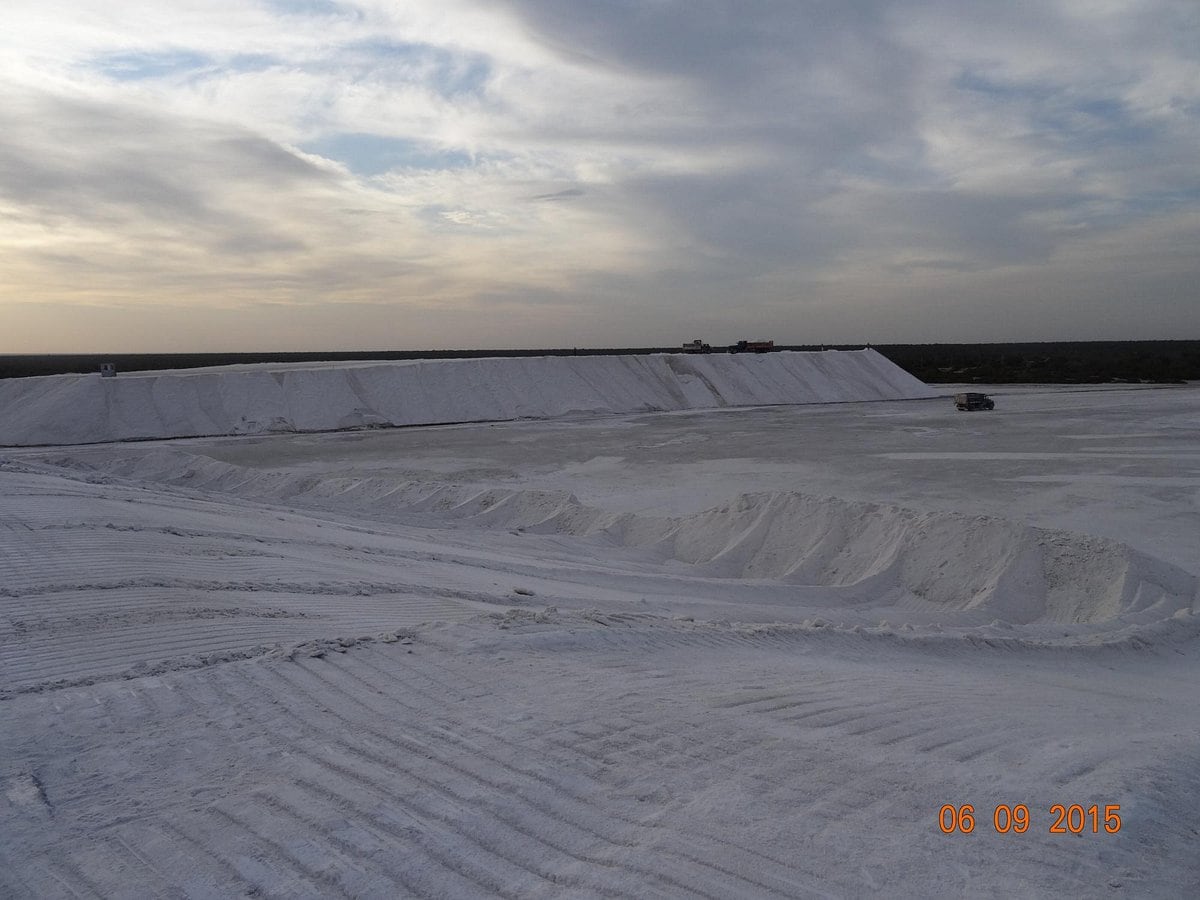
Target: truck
{"points": [[971, 402], [697, 346], [752, 347]]}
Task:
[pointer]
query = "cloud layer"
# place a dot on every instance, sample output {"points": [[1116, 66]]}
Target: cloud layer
{"points": [[294, 174]]}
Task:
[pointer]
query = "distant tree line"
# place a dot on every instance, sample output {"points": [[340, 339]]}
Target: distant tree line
{"points": [[1094, 362]]}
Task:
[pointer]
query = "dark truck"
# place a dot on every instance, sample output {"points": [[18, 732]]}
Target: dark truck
{"points": [[752, 347], [973, 401]]}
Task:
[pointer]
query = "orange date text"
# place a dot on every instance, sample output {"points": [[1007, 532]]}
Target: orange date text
{"points": [[1064, 819]]}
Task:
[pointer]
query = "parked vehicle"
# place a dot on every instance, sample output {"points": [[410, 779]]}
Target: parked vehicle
{"points": [[973, 402], [697, 346], [752, 347]]}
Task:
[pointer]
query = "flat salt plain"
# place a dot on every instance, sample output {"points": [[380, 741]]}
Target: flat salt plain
{"points": [[717, 653]]}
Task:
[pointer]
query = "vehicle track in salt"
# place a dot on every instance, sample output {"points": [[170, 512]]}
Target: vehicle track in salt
{"points": [[451, 766], [216, 696]]}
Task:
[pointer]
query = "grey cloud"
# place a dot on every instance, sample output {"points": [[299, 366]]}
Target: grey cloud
{"points": [[810, 90], [743, 219], [105, 164], [566, 194], [815, 79], [835, 97], [721, 43], [730, 161], [252, 158], [252, 243], [970, 230]]}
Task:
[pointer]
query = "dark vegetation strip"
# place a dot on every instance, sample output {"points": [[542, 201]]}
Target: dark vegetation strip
{"points": [[1090, 362]]}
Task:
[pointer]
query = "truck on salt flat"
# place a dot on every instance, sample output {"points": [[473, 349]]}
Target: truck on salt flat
{"points": [[752, 347], [972, 402]]}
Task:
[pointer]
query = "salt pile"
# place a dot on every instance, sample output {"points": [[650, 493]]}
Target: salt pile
{"points": [[80, 409], [917, 564]]}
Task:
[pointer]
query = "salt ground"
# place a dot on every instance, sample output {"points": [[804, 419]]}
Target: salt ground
{"points": [[739, 652]]}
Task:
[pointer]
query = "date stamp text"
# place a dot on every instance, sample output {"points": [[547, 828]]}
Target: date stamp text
{"points": [[1063, 819]]}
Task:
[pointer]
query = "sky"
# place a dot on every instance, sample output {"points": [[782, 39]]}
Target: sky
{"points": [[241, 175]]}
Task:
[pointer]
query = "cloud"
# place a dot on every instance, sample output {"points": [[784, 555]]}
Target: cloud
{"points": [[565, 194], [643, 165], [76, 160]]}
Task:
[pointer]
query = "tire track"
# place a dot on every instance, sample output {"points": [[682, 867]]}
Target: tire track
{"points": [[385, 763], [164, 887], [459, 828], [326, 883], [370, 653], [248, 884], [493, 787], [378, 855], [59, 880], [516, 792], [63, 869], [656, 836]]}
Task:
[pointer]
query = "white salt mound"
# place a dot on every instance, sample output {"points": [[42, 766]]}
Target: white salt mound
{"points": [[922, 564], [81, 409]]}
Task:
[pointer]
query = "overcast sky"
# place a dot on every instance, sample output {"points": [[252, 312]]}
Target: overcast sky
{"points": [[184, 175]]}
